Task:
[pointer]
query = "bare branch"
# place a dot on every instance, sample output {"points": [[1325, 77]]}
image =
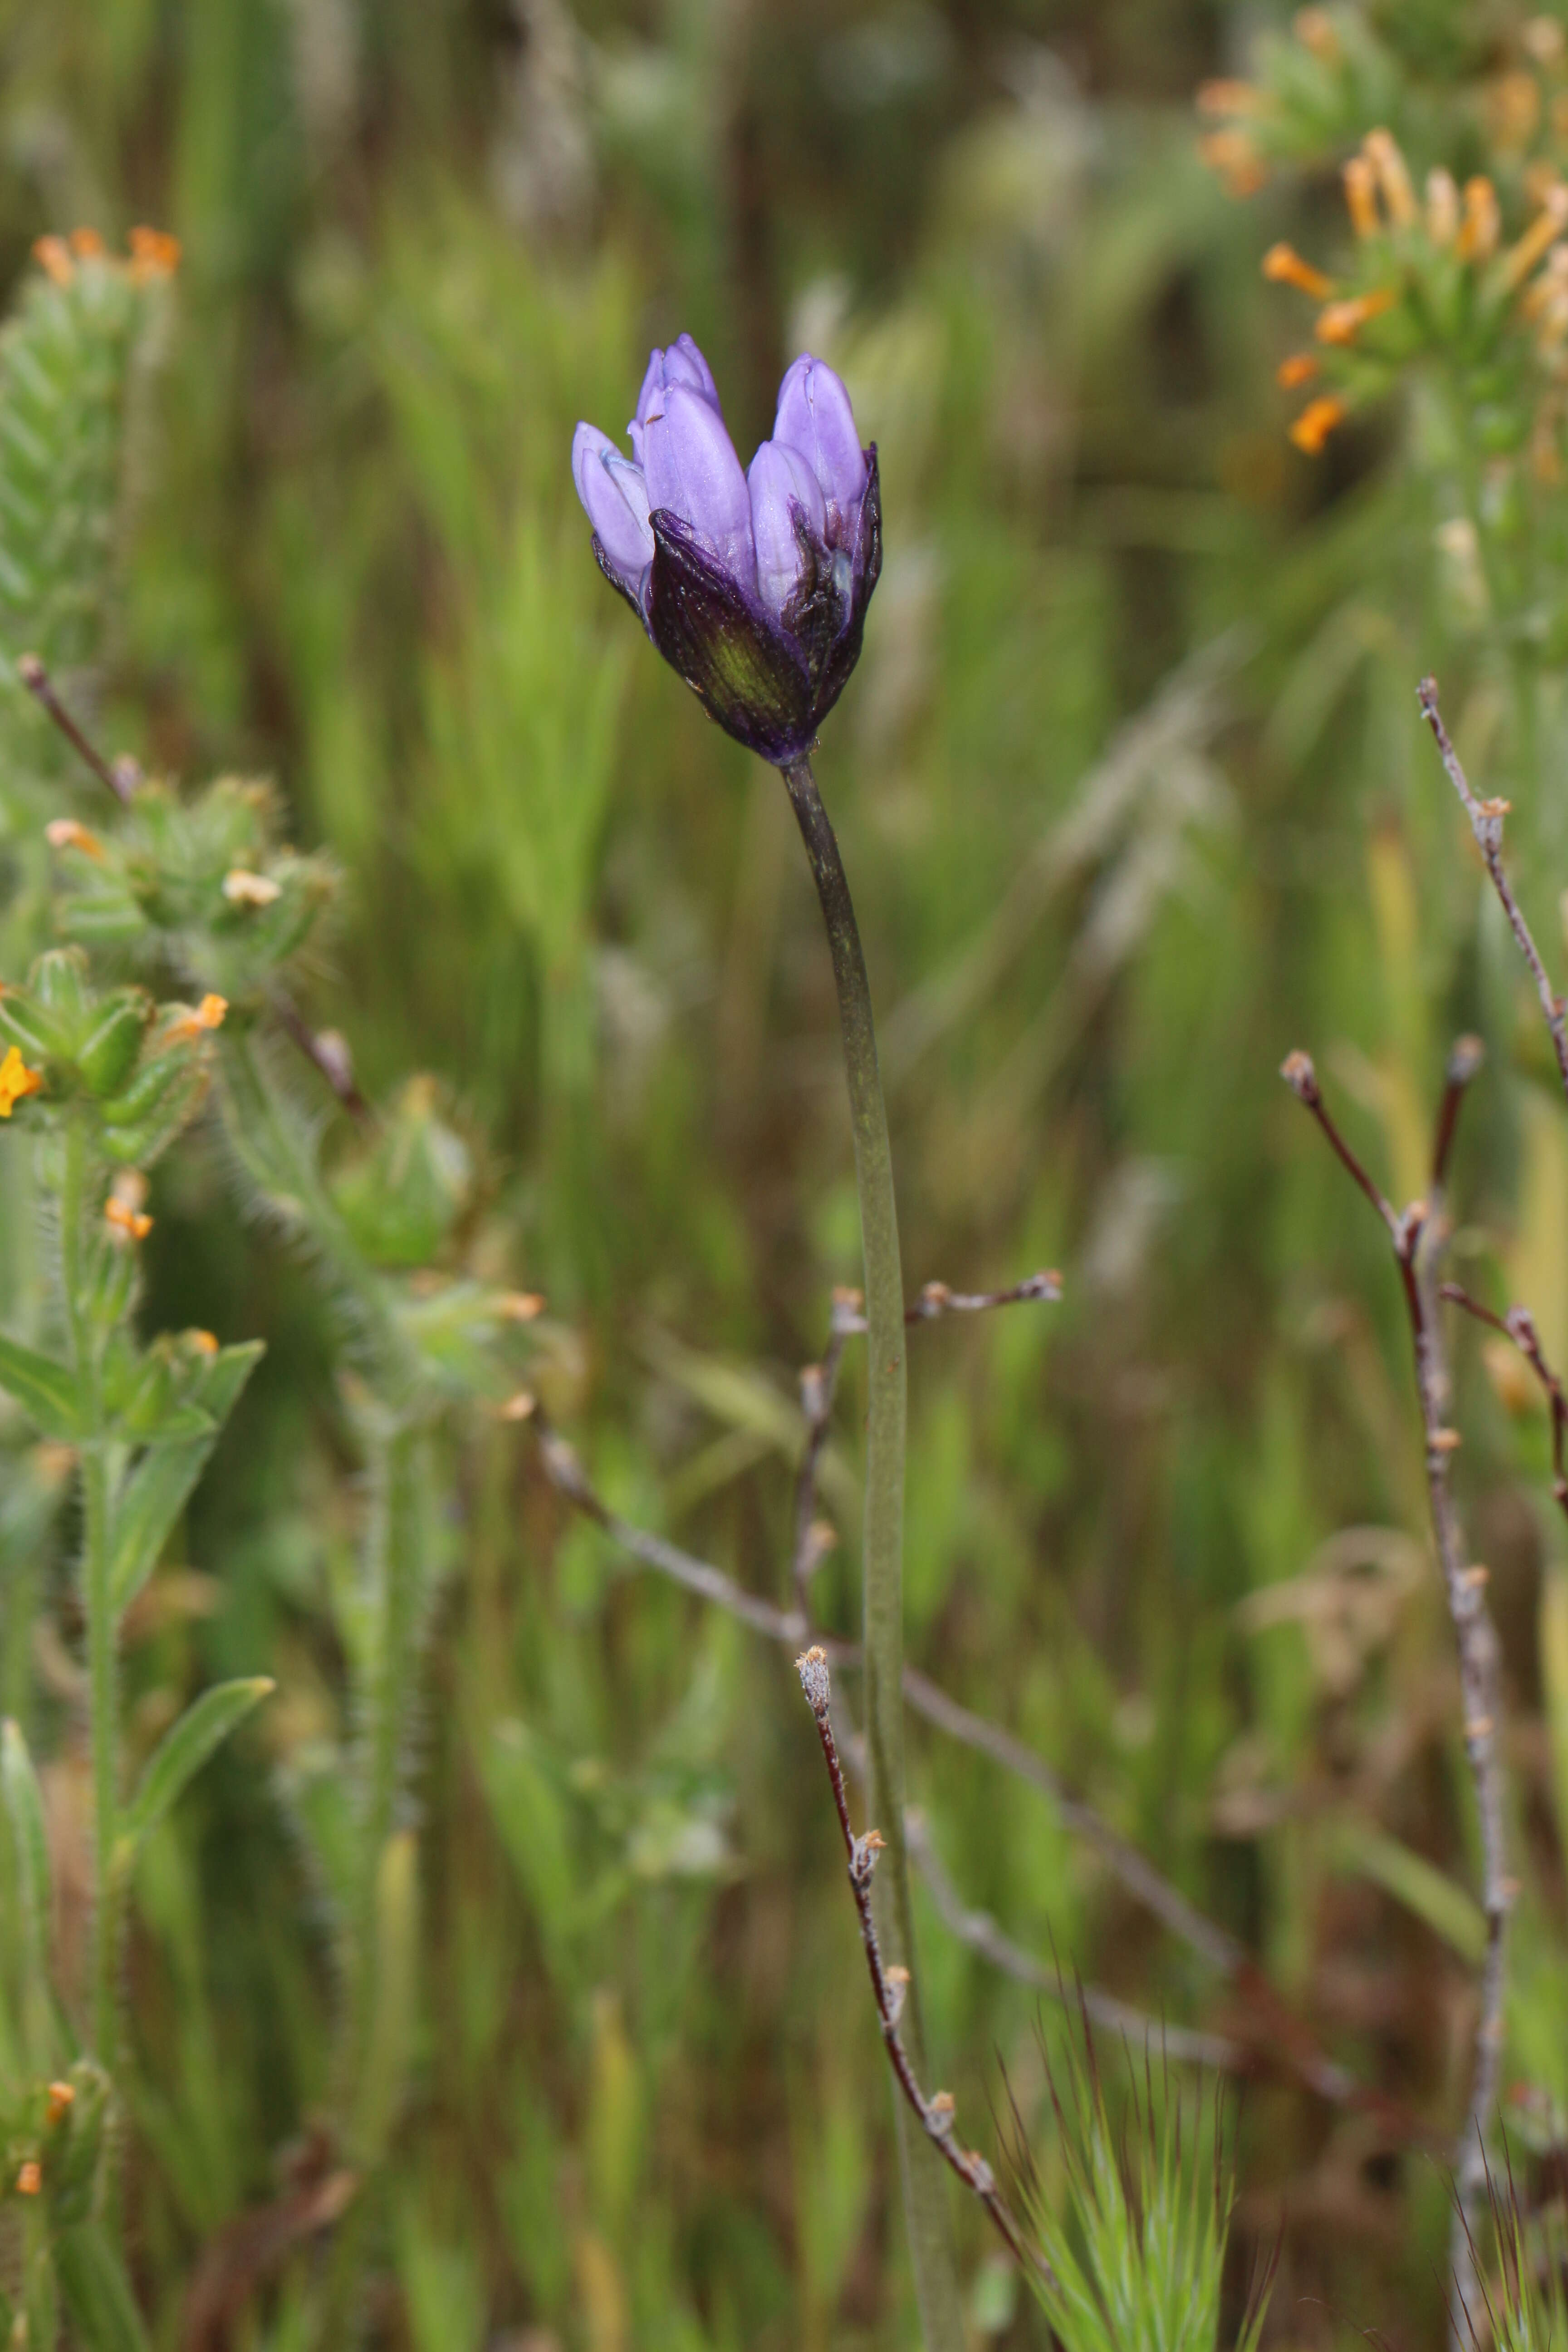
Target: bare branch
{"points": [[1465, 1058], [887, 1985], [980, 1933], [1519, 1325], [937, 1300], [121, 776], [1476, 1639], [1485, 823], [326, 1049]]}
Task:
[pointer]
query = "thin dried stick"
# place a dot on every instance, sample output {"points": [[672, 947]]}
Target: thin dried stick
{"points": [[1485, 823], [1474, 1634], [980, 1933], [889, 1985], [937, 1300], [1519, 1325], [121, 776]]}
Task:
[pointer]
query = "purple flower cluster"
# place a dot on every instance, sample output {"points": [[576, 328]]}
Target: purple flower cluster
{"points": [[752, 585]]}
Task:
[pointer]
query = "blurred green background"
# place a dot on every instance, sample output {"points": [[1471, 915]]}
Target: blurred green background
{"points": [[1134, 799]]}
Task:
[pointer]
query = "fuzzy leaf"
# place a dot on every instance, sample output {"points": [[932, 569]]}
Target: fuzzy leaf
{"points": [[389, 2043], [158, 1491], [29, 1841], [185, 1749], [47, 1391]]}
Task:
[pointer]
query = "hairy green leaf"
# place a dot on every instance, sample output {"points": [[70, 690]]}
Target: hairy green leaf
{"points": [[185, 1749], [47, 1391], [162, 1482]]}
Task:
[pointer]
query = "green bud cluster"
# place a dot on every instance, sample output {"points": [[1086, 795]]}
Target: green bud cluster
{"points": [[142, 1067]]}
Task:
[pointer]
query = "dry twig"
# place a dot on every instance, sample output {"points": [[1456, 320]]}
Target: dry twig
{"points": [[887, 1985], [1473, 1629]]}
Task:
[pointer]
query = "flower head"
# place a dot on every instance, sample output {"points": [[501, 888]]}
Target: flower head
{"points": [[17, 1080], [752, 584]]}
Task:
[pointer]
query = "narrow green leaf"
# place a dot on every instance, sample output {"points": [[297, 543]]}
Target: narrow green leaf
{"points": [[185, 1749], [24, 1812], [162, 1484], [98, 2292], [390, 2039], [47, 1391], [1412, 1880]]}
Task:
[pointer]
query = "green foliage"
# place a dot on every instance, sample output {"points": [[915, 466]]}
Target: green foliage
{"points": [[1136, 2246]]}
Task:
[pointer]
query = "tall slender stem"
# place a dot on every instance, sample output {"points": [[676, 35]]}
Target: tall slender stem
{"points": [[925, 2190], [102, 1649]]}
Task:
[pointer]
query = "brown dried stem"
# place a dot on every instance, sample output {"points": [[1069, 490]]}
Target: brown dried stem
{"points": [[1474, 1633], [1519, 1325], [121, 776], [889, 1985], [1485, 823]]}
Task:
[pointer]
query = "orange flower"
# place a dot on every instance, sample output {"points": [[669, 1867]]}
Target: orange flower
{"points": [[1232, 154], [30, 2178], [17, 1080], [53, 257], [1482, 223], [61, 2097], [242, 888], [153, 254], [1521, 257], [1442, 206], [1316, 422], [1314, 29], [86, 244], [1229, 98], [1361, 196], [208, 1015], [135, 1224], [1341, 322], [64, 832], [1285, 266], [1381, 151], [1299, 368]]}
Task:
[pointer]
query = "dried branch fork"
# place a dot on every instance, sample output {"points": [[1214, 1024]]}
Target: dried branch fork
{"points": [[1466, 1588], [1485, 823], [325, 1050], [1519, 1325], [887, 1984]]}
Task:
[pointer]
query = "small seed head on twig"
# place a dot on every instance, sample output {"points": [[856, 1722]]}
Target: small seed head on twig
{"points": [[1298, 1071], [940, 2112], [1520, 1324], [897, 1981], [863, 1856], [1466, 1056], [813, 1393], [815, 1679]]}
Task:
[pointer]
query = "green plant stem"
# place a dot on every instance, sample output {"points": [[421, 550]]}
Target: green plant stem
{"points": [[98, 1607], [271, 1142], [925, 2190]]}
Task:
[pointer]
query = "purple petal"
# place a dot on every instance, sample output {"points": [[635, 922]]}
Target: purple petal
{"points": [[815, 417], [781, 478], [692, 470], [615, 497], [682, 364]]}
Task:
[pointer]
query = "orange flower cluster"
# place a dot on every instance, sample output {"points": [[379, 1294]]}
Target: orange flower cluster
{"points": [[153, 255]]}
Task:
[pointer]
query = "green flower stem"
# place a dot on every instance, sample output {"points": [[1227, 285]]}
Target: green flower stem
{"points": [[103, 1635], [925, 2189]]}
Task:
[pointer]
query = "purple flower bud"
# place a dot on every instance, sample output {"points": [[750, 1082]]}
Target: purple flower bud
{"points": [[693, 472], [615, 497], [754, 590], [682, 364], [782, 486], [815, 417]]}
